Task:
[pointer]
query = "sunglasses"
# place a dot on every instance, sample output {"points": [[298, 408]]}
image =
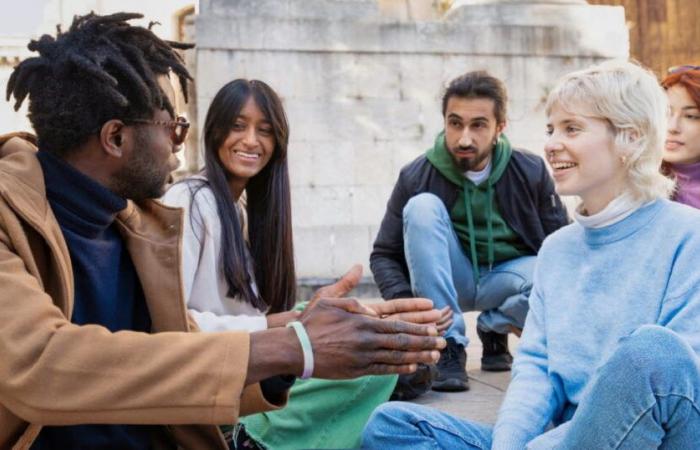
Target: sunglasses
{"points": [[683, 68], [178, 127]]}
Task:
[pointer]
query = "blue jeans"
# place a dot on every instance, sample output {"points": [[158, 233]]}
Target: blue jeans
{"points": [[440, 270], [645, 396]]}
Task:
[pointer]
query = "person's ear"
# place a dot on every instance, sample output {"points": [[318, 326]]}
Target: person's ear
{"points": [[112, 137], [499, 128]]}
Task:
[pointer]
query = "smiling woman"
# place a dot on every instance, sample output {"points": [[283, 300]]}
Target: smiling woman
{"points": [[238, 265], [682, 150], [600, 148]]}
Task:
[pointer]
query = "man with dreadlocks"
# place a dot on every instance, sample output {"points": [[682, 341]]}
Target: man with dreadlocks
{"points": [[94, 336]]}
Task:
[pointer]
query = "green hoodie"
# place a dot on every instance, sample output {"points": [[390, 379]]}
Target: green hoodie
{"points": [[481, 229]]}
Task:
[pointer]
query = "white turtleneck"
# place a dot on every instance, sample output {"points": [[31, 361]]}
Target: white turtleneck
{"points": [[619, 208]]}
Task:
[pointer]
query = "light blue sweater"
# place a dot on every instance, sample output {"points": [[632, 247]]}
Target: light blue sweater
{"points": [[593, 286]]}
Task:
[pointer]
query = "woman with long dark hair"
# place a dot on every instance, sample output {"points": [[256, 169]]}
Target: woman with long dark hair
{"points": [[682, 150], [238, 262]]}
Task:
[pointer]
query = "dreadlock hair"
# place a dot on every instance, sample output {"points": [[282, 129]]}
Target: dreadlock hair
{"points": [[101, 69]]}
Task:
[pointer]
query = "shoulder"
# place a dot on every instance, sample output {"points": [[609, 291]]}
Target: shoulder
{"points": [[528, 161], [190, 191], [416, 167], [679, 219], [563, 238]]}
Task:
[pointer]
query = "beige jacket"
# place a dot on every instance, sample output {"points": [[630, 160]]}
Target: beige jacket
{"points": [[53, 372]]}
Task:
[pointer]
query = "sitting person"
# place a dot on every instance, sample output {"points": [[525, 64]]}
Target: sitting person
{"points": [[238, 263], [609, 353], [97, 349], [463, 226], [682, 151]]}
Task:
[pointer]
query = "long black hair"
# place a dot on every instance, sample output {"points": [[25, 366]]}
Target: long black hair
{"points": [[101, 69], [268, 201]]}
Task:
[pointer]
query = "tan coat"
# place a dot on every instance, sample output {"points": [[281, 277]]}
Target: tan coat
{"points": [[53, 372]]}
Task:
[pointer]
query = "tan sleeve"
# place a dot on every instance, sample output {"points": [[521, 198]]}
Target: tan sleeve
{"points": [[54, 372], [17, 142]]}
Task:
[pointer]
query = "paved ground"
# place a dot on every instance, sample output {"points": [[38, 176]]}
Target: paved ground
{"points": [[482, 401]]}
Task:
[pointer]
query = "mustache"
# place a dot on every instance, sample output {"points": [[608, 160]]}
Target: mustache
{"points": [[469, 148]]}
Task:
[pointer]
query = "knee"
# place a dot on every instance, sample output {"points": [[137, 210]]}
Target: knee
{"points": [[388, 418], [652, 349], [424, 209], [390, 413]]}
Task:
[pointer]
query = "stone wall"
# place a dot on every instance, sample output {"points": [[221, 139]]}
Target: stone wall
{"points": [[362, 86]]}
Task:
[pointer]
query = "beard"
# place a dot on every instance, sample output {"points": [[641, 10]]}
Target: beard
{"points": [[467, 164], [142, 176]]}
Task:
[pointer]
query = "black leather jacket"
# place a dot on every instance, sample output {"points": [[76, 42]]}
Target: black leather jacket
{"points": [[525, 196]]}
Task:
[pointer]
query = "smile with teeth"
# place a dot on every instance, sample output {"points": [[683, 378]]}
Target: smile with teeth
{"points": [[563, 165], [247, 155]]}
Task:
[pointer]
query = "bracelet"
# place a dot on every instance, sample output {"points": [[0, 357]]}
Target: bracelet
{"points": [[305, 347]]}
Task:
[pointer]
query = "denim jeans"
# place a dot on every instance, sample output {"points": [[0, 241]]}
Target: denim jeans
{"points": [[645, 396], [440, 270]]}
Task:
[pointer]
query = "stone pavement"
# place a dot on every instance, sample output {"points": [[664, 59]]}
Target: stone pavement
{"points": [[487, 389]]}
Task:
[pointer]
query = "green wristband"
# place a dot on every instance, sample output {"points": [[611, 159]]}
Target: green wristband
{"points": [[305, 348]]}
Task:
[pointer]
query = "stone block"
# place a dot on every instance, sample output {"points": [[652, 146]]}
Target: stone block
{"points": [[350, 245], [446, 37], [217, 68], [294, 9], [333, 163], [329, 251], [311, 252], [373, 164], [369, 204], [318, 206], [455, 65], [354, 120], [300, 163]]}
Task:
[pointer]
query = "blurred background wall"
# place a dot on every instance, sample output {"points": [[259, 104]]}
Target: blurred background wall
{"points": [[362, 80]]}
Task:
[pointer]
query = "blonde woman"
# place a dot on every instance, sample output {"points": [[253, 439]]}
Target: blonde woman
{"points": [[609, 353]]}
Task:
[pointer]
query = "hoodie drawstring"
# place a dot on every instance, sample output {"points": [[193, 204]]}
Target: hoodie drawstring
{"points": [[472, 230], [489, 225], [472, 238]]}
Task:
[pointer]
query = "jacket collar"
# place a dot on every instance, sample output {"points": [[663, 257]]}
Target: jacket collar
{"points": [[152, 233], [22, 181]]}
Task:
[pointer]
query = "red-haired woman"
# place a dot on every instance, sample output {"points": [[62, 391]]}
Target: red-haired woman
{"points": [[682, 150]]}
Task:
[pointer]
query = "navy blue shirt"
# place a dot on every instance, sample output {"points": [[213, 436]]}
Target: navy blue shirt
{"points": [[107, 288]]}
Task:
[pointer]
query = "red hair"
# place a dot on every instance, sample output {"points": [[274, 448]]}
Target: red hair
{"points": [[689, 79]]}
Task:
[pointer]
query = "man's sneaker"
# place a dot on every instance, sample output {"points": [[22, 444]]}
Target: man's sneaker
{"points": [[451, 368], [412, 385], [496, 357]]}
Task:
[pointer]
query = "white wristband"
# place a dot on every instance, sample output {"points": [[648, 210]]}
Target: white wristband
{"points": [[305, 348]]}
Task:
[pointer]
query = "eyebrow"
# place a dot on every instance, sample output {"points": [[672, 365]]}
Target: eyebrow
{"points": [[690, 107], [565, 122], [245, 117]]}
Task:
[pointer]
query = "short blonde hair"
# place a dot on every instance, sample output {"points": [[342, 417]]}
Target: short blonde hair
{"points": [[630, 99]]}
